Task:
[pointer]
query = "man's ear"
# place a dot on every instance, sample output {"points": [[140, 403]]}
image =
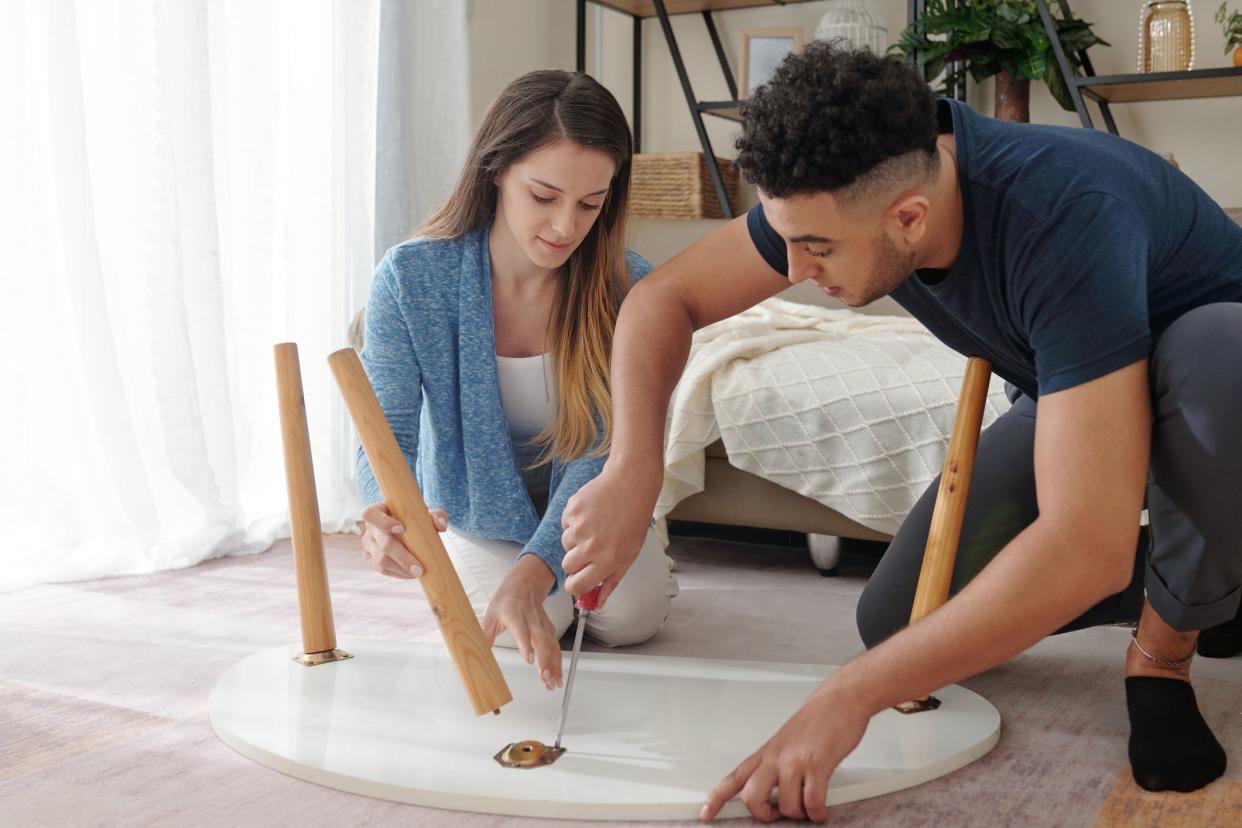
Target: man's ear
{"points": [[907, 217]]}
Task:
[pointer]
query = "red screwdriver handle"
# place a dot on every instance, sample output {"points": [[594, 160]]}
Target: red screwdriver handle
{"points": [[589, 601]]}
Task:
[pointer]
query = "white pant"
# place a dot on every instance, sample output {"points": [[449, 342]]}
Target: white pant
{"points": [[634, 612]]}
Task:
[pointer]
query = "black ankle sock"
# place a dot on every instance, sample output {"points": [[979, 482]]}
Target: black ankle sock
{"points": [[1223, 640], [1171, 747]]}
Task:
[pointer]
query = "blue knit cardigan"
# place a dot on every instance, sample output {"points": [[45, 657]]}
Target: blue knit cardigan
{"points": [[430, 352]]}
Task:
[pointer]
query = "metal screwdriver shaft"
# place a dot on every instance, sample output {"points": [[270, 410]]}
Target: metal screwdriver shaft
{"points": [[586, 604]]}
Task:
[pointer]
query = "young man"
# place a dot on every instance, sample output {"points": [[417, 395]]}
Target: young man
{"points": [[1100, 282]]}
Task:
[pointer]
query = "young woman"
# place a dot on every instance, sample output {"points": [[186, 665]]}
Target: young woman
{"points": [[487, 341]]}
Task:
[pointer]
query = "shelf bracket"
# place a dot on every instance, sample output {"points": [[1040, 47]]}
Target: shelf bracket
{"points": [[1067, 67], [693, 105]]}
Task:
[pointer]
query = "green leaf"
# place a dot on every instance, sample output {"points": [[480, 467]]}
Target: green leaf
{"points": [[983, 68], [1033, 67], [991, 35], [1035, 41], [1056, 85], [1007, 37], [1077, 36], [1007, 12], [972, 31], [936, 52]]}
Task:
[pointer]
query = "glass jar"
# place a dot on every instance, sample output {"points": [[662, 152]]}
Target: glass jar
{"points": [[854, 23], [1166, 36]]}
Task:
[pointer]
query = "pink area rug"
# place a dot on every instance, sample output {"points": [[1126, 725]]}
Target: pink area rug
{"points": [[104, 685]]}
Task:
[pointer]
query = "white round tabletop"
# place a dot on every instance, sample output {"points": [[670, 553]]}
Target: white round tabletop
{"points": [[647, 738]]}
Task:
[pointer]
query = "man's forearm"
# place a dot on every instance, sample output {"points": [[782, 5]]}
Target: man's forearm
{"points": [[650, 347], [1011, 605]]}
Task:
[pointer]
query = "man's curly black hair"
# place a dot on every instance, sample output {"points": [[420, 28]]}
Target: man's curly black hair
{"points": [[831, 115]]}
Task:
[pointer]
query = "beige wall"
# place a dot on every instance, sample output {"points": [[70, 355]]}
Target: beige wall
{"points": [[508, 37]]}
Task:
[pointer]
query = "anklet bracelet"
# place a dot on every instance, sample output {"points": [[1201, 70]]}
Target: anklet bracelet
{"points": [[1163, 662]]}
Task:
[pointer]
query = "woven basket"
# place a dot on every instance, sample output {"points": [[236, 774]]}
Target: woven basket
{"points": [[678, 185]]}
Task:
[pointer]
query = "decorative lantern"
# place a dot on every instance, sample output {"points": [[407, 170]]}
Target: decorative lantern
{"points": [[854, 23]]}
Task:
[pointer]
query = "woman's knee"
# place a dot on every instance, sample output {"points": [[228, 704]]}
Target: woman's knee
{"points": [[631, 622], [641, 603], [560, 611]]}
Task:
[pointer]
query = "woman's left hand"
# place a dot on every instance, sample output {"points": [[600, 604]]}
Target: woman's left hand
{"points": [[517, 607]]}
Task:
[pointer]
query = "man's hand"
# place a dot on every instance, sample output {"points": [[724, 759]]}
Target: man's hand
{"points": [[797, 761], [605, 524], [517, 607]]}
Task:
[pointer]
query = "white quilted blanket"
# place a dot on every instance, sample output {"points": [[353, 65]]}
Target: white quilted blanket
{"points": [[851, 410]]}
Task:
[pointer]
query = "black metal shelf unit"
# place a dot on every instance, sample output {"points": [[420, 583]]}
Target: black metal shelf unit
{"points": [[1151, 86], [1104, 90], [640, 10]]}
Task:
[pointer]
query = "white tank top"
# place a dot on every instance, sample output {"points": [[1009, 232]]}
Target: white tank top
{"points": [[526, 391]]}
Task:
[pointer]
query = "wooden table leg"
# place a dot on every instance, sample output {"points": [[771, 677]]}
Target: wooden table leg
{"points": [[476, 663], [946, 523], [314, 601]]}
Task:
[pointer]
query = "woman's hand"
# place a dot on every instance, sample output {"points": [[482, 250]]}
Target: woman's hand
{"points": [[382, 547], [517, 607]]}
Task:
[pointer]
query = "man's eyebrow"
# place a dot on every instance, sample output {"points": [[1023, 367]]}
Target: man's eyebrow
{"points": [[809, 238], [559, 190]]}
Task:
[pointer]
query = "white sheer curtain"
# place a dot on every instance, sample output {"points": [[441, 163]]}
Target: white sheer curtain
{"points": [[424, 112], [185, 183]]}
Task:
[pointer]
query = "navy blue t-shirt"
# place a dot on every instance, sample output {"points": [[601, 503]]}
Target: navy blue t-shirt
{"points": [[1078, 250]]}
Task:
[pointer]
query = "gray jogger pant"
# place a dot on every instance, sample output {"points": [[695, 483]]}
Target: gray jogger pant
{"points": [[1189, 560]]}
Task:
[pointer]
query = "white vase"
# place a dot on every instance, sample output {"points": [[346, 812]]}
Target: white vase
{"points": [[855, 24]]}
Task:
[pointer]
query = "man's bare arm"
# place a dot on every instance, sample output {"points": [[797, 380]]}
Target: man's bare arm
{"points": [[716, 277], [1091, 452]]}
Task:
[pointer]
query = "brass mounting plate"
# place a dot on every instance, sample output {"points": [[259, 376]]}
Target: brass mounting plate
{"points": [[327, 656], [527, 754], [918, 705]]}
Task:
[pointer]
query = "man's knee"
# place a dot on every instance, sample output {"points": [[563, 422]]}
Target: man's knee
{"points": [[1214, 330], [884, 606], [1209, 325], [877, 617]]}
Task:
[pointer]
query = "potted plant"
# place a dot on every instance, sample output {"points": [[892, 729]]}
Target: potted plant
{"points": [[1001, 38], [1232, 24]]}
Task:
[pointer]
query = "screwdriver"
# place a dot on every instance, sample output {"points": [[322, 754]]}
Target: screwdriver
{"points": [[586, 604]]}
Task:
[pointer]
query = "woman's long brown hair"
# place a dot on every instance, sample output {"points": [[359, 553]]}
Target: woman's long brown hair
{"points": [[535, 110]]}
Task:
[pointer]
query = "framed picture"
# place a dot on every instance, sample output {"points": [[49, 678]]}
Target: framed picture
{"points": [[762, 51]]}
